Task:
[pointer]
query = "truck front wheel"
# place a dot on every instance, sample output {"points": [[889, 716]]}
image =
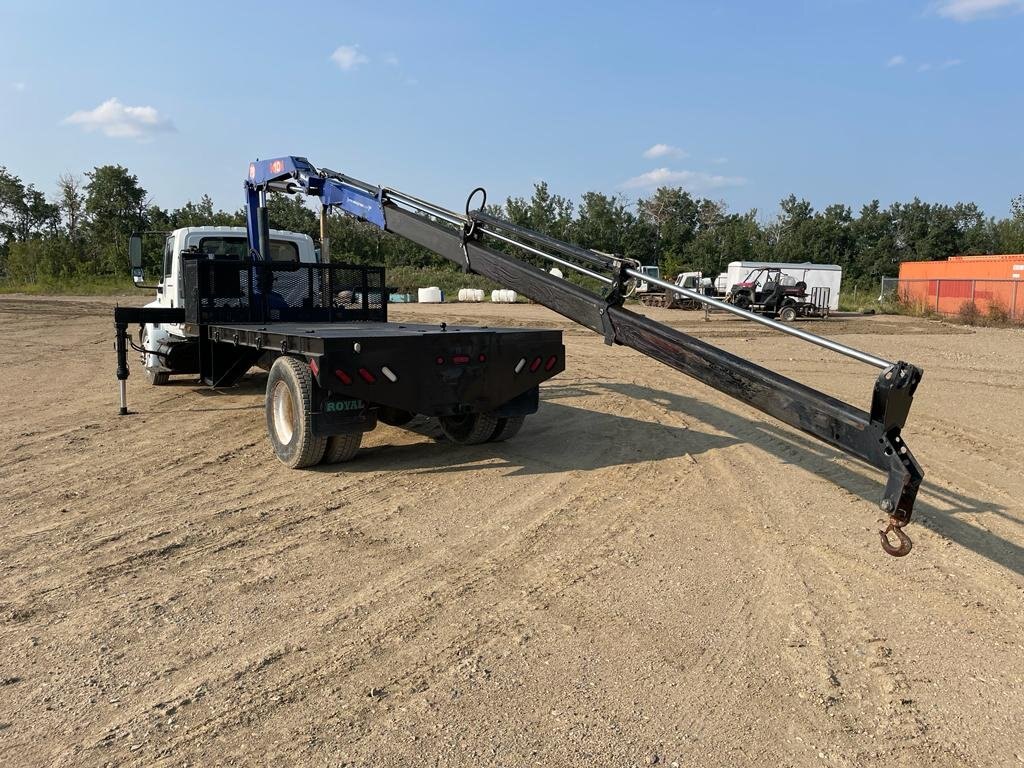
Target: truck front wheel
{"points": [[288, 407], [470, 428], [156, 378]]}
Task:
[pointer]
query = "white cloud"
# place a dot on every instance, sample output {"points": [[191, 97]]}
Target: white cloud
{"points": [[692, 180], [119, 121], [391, 60], [19, 86], [664, 150], [951, 63], [969, 10], [348, 57], [924, 67], [896, 60]]}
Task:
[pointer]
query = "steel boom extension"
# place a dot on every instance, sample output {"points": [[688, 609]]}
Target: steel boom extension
{"points": [[873, 437]]}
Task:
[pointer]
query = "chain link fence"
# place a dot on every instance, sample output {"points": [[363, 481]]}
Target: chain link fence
{"points": [[995, 298]]}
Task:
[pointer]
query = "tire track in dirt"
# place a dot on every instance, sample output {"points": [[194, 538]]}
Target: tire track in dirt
{"points": [[647, 568]]}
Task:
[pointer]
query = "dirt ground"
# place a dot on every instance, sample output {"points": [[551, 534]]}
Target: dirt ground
{"points": [[650, 573]]}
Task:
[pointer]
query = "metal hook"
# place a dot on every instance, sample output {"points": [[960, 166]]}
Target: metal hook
{"points": [[469, 227], [906, 544], [483, 203]]}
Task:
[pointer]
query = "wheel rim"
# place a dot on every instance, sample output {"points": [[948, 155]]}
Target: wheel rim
{"points": [[284, 413]]}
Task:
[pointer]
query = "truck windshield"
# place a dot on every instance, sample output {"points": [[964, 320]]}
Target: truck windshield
{"points": [[238, 248]]}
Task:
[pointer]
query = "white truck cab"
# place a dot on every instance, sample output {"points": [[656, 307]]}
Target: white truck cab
{"points": [[643, 286], [169, 339]]}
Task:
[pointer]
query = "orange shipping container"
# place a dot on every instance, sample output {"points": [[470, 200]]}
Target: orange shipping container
{"points": [[945, 286]]}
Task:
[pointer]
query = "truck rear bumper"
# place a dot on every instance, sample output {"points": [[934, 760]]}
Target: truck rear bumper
{"points": [[439, 374]]}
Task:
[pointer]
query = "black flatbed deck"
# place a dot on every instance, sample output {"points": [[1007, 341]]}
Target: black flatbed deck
{"points": [[319, 338], [362, 329]]}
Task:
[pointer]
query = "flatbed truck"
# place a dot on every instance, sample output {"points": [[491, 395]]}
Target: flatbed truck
{"points": [[337, 366]]}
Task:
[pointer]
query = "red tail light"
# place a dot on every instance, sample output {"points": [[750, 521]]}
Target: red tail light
{"points": [[460, 359], [439, 360], [482, 358], [550, 363], [535, 365], [368, 377], [343, 377], [314, 367]]}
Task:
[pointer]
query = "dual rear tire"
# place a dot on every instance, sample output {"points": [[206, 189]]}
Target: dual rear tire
{"points": [[288, 408], [476, 428]]}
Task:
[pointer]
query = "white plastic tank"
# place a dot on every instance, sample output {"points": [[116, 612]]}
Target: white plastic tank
{"points": [[555, 271], [430, 295], [471, 294], [504, 296]]}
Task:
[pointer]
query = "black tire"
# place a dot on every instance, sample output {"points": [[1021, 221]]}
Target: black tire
{"points": [[787, 314], [342, 448], [507, 428], [288, 405], [469, 429], [742, 301]]}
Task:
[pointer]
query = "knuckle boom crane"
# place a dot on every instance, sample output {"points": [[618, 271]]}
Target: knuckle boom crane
{"points": [[486, 245]]}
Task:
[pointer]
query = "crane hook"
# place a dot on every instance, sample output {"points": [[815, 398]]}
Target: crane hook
{"points": [[896, 526]]}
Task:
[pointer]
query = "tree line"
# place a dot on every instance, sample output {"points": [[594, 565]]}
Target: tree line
{"points": [[82, 229]]}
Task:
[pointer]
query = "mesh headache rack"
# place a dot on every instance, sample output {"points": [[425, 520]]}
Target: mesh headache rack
{"points": [[227, 290]]}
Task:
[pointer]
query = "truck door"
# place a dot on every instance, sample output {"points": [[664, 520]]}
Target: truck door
{"points": [[168, 291]]}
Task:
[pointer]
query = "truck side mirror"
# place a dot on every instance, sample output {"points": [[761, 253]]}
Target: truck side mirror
{"points": [[135, 258]]}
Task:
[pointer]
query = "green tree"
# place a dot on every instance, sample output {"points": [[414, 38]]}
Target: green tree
{"points": [[290, 212], [1008, 234], [544, 212], [24, 214], [793, 231], [874, 250], [731, 237], [116, 206], [674, 215]]}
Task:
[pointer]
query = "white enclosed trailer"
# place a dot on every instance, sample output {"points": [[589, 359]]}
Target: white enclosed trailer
{"points": [[815, 275]]}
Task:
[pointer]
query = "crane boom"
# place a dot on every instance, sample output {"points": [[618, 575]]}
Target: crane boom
{"points": [[480, 243]]}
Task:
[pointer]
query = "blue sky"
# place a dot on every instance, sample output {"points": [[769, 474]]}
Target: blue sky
{"points": [[834, 100]]}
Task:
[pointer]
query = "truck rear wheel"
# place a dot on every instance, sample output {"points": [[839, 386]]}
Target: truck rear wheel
{"points": [[507, 428], [470, 428], [342, 448], [288, 407]]}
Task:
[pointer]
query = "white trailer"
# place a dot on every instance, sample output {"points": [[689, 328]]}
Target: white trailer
{"points": [[815, 275]]}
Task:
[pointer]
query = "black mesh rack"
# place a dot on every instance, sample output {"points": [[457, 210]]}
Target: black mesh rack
{"points": [[226, 290]]}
